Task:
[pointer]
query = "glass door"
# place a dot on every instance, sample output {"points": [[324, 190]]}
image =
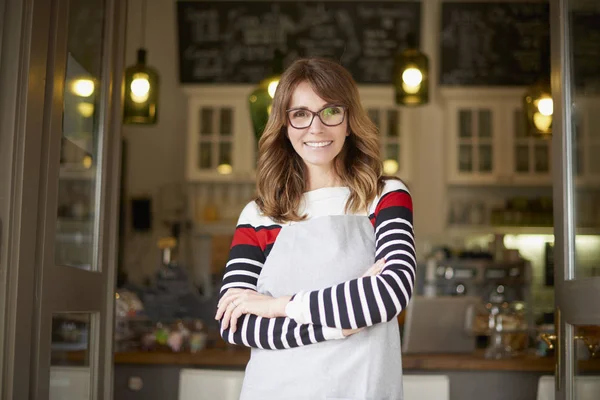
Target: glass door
{"points": [[575, 39], [71, 352]]}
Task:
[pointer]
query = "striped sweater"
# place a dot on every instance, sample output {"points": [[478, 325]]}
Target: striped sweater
{"points": [[321, 315]]}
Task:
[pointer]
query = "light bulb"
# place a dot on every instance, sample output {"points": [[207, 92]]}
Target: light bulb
{"points": [[224, 169], [390, 167], [545, 106], [85, 109], [411, 80], [272, 87], [83, 87], [140, 88], [542, 122], [87, 162]]}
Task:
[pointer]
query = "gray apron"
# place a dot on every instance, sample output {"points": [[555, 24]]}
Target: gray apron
{"points": [[311, 255]]}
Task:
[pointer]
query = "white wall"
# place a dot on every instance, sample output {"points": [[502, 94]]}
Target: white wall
{"points": [[156, 153]]}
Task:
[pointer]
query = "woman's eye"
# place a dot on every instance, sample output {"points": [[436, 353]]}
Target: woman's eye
{"points": [[300, 114], [331, 111]]}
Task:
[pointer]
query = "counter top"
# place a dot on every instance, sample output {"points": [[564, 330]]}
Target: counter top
{"points": [[238, 357]]}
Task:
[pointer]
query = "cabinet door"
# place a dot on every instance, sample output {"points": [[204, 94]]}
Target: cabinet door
{"points": [[221, 144], [394, 124], [473, 129], [529, 157]]}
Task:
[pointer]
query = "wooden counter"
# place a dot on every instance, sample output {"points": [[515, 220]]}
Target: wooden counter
{"points": [[238, 357]]}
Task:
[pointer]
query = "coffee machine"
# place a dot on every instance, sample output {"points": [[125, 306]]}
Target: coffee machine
{"points": [[490, 280]]}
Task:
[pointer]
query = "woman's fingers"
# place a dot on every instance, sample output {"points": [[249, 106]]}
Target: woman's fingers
{"points": [[350, 332], [238, 311], [375, 268], [227, 316], [229, 296], [229, 293]]}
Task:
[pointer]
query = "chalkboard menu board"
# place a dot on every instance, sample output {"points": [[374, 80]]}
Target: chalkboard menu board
{"points": [[234, 42], [494, 43]]}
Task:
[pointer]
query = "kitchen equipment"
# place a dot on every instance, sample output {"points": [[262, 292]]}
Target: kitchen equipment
{"points": [[439, 325]]}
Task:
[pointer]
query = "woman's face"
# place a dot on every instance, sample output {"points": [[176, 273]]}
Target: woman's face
{"points": [[317, 143]]}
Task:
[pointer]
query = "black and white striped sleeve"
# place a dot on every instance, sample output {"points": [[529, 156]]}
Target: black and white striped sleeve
{"points": [[370, 300], [246, 259]]}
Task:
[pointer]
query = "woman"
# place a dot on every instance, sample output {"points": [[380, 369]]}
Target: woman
{"points": [[298, 288]]}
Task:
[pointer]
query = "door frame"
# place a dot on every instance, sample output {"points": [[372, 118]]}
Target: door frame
{"points": [[22, 110]]}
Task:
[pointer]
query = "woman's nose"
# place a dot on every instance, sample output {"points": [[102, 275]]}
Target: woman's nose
{"points": [[316, 126]]}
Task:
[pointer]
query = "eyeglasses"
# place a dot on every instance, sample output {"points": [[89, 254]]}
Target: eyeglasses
{"points": [[301, 118]]}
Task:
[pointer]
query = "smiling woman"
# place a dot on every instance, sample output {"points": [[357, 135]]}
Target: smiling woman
{"points": [[323, 260]]}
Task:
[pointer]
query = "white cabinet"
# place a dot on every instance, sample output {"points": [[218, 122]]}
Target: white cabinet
{"points": [[474, 137], [529, 158], [396, 125], [221, 145], [487, 140]]}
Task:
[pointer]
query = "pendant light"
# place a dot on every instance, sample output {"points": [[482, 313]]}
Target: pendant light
{"points": [[537, 101], [261, 99], [411, 75], [140, 105]]}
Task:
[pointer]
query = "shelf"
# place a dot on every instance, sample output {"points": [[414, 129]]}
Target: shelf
{"points": [[77, 173]]}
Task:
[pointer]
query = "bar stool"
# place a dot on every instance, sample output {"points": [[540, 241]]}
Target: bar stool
{"points": [[204, 384], [587, 387], [426, 387]]}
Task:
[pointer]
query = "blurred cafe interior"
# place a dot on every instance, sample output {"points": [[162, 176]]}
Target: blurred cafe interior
{"points": [[129, 145]]}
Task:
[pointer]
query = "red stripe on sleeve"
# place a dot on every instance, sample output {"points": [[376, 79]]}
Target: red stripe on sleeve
{"points": [[248, 235], [394, 199], [267, 236], [245, 235]]}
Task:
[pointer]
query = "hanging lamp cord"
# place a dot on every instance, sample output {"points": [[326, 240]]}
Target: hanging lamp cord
{"points": [[143, 27]]}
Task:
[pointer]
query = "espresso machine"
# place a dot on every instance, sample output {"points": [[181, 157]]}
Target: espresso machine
{"points": [[490, 280]]}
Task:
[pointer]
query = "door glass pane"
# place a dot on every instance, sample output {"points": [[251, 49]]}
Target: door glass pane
{"points": [[522, 158], [540, 156], [392, 152], [519, 124], [70, 374], [226, 121], [485, 123], [205, 158], [465, 158], [76, 236], [206, 121], [393, 128], [485, 158], [374, 115], [70, 339], [585, 91], [586, 358], [465, 123], [225, 153]]}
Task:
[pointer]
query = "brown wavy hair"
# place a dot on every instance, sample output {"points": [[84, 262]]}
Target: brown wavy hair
{"points": [[281, 172]]}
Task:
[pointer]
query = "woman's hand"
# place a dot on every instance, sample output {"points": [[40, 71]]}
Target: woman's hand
{"points": [[237, 302], [372, 271]]}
